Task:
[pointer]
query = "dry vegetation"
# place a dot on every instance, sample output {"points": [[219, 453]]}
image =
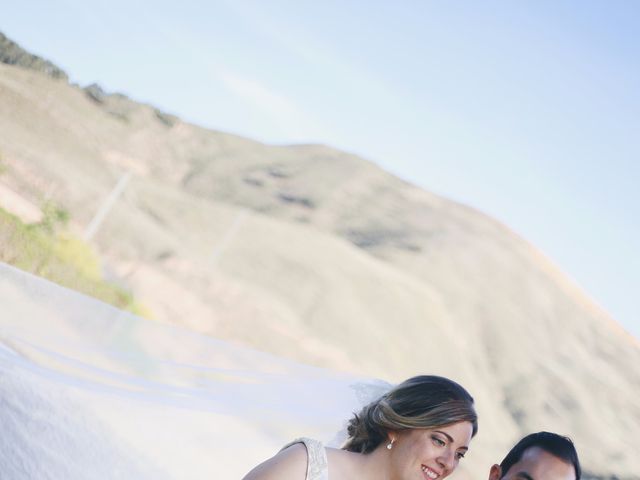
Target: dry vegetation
{"points": [[46, 249]]}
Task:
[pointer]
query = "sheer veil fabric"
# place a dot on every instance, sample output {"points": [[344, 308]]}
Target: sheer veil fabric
{"points": [[88, 391]]}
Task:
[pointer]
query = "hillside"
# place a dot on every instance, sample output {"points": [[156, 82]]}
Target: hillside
{"points": [[320, 256]]}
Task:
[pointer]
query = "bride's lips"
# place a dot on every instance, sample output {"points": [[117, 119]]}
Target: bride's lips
{"points": [[429, 473]]}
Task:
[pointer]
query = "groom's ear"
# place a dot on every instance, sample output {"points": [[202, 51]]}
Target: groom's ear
{"points": [[495, 473]]}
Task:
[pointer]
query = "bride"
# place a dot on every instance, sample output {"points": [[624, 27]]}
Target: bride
{"points": [[420, 429]]}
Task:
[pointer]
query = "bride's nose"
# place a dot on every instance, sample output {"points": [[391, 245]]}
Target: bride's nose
{"points": [[447, 460]]}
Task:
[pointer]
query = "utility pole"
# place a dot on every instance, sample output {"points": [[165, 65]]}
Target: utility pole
{"points": [[106, 206], [239, 219]]}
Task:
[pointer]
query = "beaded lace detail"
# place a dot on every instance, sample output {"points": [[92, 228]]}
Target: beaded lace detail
{"points": [[317, 467]]}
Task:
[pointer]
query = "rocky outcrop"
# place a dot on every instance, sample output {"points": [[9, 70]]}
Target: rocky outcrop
{"points": [[13, 54]]}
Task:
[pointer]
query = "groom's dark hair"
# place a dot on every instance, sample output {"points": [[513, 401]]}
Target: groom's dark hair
{"points": [[557, 445]]}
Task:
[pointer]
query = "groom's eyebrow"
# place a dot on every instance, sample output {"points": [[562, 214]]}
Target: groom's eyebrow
{"points": [[524, 476]]}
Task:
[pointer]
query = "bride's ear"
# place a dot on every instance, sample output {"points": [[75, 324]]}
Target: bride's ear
{"points": [[495, 473]]}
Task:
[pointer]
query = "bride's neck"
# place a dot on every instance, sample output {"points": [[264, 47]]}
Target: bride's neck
{"points": [[357, 466]]}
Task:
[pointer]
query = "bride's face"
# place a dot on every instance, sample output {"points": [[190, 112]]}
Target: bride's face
{"points": [[421, 454]]}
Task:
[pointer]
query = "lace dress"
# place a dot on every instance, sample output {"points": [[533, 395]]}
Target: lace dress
{"points": [[317, 468]]}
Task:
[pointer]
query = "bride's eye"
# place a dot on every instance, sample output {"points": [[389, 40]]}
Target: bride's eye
{"points": [[438, 441]]}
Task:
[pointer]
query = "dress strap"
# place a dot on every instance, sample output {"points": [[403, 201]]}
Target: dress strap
{"points": [[317, 466]]}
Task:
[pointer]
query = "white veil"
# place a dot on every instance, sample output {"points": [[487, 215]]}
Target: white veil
{"points": [[88, 391]]}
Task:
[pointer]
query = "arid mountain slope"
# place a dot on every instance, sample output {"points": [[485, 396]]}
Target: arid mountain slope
{"points": [[321, 256]]}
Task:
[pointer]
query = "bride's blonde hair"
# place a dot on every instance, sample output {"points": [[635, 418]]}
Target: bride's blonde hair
{"points": [[425, 401]]}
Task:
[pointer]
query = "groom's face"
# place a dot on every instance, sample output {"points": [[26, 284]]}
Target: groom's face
{"points": [[536, 464]]}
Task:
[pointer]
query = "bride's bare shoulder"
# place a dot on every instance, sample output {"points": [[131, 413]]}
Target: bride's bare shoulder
{"points": [[289, 464]]}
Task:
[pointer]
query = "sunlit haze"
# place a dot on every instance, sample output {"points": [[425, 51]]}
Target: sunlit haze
{"points": [[527, 111]]}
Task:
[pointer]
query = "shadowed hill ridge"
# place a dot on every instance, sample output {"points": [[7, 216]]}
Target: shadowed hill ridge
{"points": [[13, 54], [315, 254]]}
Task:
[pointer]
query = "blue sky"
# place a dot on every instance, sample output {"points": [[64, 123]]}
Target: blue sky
{"points": [[524, 110]]}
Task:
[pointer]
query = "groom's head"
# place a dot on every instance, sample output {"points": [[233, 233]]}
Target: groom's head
{"points": [[539, 456]]}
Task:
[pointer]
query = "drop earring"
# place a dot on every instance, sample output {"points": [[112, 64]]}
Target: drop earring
{"points": [[390, 444]]}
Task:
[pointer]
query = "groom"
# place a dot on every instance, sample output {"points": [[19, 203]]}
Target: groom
{"points": [[539, 456]]}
